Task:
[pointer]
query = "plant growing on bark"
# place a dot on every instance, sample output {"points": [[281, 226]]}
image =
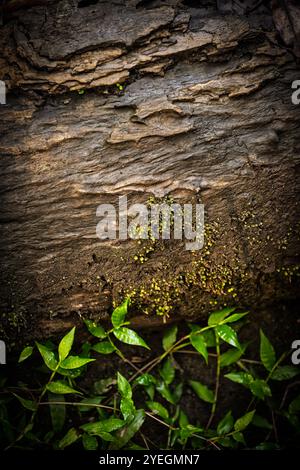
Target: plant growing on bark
{"points": [[115, 415]]}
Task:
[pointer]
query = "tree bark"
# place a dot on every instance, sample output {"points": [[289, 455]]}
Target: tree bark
{"points": [[140, 99]]}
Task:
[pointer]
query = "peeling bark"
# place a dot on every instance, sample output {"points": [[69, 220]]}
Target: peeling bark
{"points": [[205, 114]]}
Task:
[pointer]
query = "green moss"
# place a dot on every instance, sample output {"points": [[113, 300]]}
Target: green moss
{"points": [[214, 276], [12, 325], [148, 246], [289, 272], [162, 293]]}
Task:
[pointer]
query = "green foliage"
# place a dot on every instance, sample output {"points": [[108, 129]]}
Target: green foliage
{"points": [[217, 317], [226, 424], [202, 391], [25, 353], [57, 412], [167, 371], [73, 362], [125, 335], [124, 435], [119, 314], [227, 334], [48, 357], [267, 352], [105, 347], [104, 416], [127, 407], [231, 356], [198, 342], [106, 425], [158, 409], [65, 345], [95, 329], [170, 337], [71, 436], [243, 422], [285, 373], [60, 387]]}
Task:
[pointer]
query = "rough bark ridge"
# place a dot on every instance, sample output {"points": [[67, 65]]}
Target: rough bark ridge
{"points": [[205, 114]]}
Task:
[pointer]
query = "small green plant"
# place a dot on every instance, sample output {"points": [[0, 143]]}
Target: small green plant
{"points": [[115, 413], [120, 87]]}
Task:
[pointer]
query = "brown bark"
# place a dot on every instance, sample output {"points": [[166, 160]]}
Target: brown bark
{"points": [[205, 114]]}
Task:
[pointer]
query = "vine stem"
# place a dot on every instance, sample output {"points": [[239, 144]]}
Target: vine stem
{"points": [[174, 348], [277, 363], [218, 369], [187, 351], [30, 424], [147, 413]]}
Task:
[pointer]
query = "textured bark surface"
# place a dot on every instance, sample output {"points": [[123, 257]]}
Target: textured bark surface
{"points": [[205, 114]]}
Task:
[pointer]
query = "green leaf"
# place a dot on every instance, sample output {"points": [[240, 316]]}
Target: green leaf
{"points": [[73, 362], [260, 388], [145, 380], [71, 373], [227, 334], [183, 419], [231, 356], [95, 329], [71, 437], [177, 392], [119, 314], [150, 390], [261, 422], [267, 446], [125, 335], [65, 345], [86, 348], [243, 378], [57, 412], [198, 343], [267, 352], [285, 372], [25, 353], [187, 431], [60, 388], [226, 424], [48, 356], [158, 409], [202, 391], [105, 436], [170, 337], [102, 386], [127, 408], [165, 392], [226, 442], [89, 442], [239, 437], [128, 431], [124, 386], [235, 317], [209, 338], [217, 317], [28, 404], [167, 371], [106, 347], [107, 425], [243, 422]]}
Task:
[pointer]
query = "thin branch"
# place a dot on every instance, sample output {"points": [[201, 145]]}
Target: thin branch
{"points": [[218, 370], [92, 405]]}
